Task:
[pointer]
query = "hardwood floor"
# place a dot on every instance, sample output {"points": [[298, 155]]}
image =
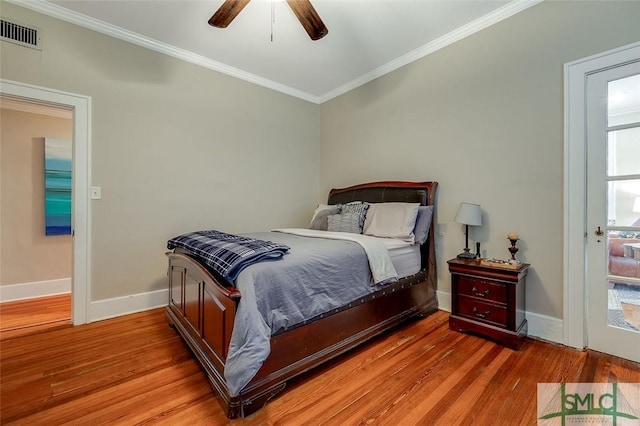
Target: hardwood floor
{"points": [[136, 370], [34, 315]]}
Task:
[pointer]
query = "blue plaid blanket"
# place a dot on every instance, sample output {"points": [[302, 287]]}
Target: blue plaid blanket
{"points": [[227, 254]]}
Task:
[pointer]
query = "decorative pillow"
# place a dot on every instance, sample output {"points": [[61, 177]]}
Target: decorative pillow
{"points": [[346, 222], [392, 220], [319, 220], [423, 223], [627, 234], [356, 207]]}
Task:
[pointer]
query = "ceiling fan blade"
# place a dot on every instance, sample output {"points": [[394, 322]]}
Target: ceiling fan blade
{"points": [[309, 18], [227, 13]]}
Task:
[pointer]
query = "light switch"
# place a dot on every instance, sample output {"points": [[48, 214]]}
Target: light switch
{"points": [[96, 193]]}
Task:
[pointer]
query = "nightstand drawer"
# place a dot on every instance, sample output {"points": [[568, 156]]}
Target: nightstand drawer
{"points": [[484, 312], [476, 287], [489, 300]]}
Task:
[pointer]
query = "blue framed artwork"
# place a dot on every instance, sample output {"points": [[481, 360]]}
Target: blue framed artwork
{"points": [[57, 186]]}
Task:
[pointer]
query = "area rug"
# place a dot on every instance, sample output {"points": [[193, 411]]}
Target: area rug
{"points": [[624, 306], [631, 314]]}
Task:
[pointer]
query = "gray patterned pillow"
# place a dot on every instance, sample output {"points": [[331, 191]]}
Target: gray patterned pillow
{"points": [[358, 208], [347, 222]]}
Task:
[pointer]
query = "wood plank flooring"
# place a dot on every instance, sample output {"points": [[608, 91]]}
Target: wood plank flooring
{"points": [[34, 315], [136, 370]]}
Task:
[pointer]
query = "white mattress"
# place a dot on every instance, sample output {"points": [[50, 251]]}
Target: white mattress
{"points": [[404, 256]]}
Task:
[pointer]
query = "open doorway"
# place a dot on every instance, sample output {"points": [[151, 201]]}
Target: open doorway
{"points": [[35, 226], [80, 106]]}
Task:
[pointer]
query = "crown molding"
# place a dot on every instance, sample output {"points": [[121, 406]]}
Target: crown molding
{"points": [[479, 24], [97, 25]]}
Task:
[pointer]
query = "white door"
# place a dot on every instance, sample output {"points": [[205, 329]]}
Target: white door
{"points": [[613, 211]]}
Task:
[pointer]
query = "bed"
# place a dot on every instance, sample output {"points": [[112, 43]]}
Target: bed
{"points": [[204, 308]]}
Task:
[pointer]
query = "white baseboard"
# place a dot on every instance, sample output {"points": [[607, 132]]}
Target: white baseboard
{"points": [[118, 306], [11, 292], [545, 327], [444, 301], [98, 310], [540, 326]]}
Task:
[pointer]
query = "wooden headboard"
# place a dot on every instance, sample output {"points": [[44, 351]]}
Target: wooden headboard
{"points": [[386, 192], [396, 191]]}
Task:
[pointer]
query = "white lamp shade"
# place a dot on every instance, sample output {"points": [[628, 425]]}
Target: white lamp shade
{"points": [[469, 214]]}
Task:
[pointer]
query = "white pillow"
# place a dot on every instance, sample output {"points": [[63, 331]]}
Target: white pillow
{"points": [[391, 220], [319, 220]]}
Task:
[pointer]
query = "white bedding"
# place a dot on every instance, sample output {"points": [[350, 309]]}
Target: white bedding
{"points": [[406, 259]]}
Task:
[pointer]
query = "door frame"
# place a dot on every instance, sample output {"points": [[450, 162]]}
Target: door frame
{"points": [[575, 175], [81, 209]]}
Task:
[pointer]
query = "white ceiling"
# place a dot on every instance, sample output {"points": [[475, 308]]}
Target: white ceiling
{"points": [[367, 38]]}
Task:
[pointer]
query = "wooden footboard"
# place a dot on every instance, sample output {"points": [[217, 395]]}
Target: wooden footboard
{"points": [[203, 310]]}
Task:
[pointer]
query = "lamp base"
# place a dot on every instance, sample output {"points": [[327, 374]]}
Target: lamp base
{"points": [[466, 254]]}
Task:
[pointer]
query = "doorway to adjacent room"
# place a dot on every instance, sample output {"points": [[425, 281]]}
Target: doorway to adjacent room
{"points": [[80, 106]]}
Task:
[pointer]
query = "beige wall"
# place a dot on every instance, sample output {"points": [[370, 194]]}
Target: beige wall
{"points": [[175, 147], [178, 147], [484, 117], [26, 254]]}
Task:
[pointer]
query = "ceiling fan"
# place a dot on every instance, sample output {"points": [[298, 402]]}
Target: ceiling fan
{"points": [[303, 10]]}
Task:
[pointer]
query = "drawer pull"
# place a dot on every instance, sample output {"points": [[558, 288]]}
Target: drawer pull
{"points": [[480, 314], [480, 293]]}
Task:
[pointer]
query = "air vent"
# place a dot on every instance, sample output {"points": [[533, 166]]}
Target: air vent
{"points": [[19, 34]]}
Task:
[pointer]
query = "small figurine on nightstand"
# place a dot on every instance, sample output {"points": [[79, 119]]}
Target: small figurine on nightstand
{"points": [[478, 257], [513, 237]]}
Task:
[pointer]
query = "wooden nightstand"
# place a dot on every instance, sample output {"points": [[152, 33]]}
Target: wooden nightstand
{"points": [[489, 300]]}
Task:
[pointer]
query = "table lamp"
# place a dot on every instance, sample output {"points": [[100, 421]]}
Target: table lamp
{"points": [[468, 214]]}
